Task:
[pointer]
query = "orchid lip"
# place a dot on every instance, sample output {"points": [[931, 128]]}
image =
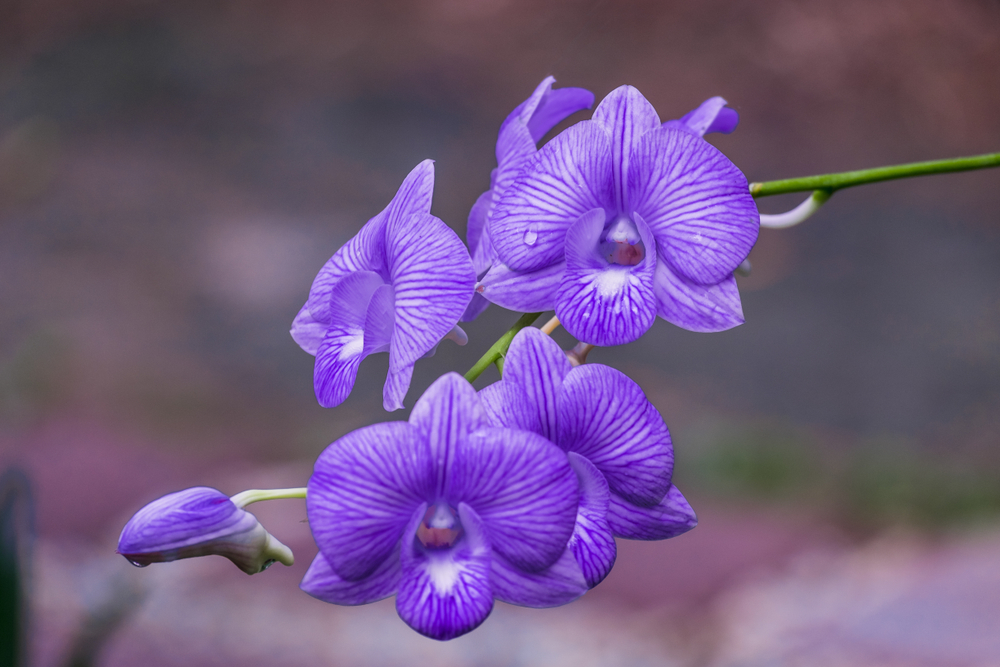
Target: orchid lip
{"points": [[440, 527]]}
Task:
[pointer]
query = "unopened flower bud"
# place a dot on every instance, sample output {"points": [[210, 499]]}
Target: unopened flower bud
{"points": [[199, 522]]}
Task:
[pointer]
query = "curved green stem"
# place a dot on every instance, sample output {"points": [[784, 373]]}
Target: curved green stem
{"points": [[244, 498], [832, 182], [495, 353]]}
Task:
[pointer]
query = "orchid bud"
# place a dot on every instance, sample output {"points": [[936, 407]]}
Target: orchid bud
{"points": [[199, 522]]}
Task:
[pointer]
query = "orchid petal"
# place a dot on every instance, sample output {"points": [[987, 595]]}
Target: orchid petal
{"points": [[593, 544], [366, 250], [697, 307], [476, 234], [445, 594], [626, 115], [506, 407], [696, 202], [397, 383], [712, 115], [605, 417], [363, 491], [555, 107], [560, 583], [522, 291], [475, 308], [337, 362], [307, 331], [538, 366], [523, 488], [446, 414], [323, 583], [569, 176], [673, 516], [432, 278], [602, 303]]}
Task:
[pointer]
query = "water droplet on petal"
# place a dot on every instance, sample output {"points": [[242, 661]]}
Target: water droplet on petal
{"points": [[531, 235], [136, 563], [267, 564]]}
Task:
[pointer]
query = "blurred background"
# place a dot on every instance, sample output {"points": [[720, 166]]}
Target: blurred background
{"points": [[173, 174]]}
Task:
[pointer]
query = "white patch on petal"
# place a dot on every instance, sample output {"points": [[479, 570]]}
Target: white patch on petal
{"points": [[352, 347], [443, 574], [611, 281]]}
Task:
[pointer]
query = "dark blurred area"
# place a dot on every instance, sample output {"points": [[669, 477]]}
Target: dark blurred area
{"points": [[172, 175]]}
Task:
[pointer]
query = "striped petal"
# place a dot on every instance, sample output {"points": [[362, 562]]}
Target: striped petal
{"points": [[569, 176], [671, 517], [446, 593], [560, 583], [432, 278], [337, 362], [366, 250], [626, 116], [522, 291], [363, 491], [712, 115], [445, 415], [523, 488], [601, 303], [307, 331], [593, 544], [323, 583], [696, 307], [537, 365], [605, 417], [696, 202]]}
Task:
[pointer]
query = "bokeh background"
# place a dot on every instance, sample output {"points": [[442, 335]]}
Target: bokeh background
{"points": [[173, 174]]}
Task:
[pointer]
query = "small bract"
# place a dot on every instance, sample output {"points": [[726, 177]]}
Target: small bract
{"points": [[200, 522], [399, 286]]}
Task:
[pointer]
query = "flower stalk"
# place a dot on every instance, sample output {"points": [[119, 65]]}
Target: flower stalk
{"points": [[846, 179], [249, 496], [499, 348]]}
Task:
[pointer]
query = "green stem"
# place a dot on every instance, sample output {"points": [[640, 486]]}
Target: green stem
{"points": [[499, 348], [846, 179], [244, 498]]}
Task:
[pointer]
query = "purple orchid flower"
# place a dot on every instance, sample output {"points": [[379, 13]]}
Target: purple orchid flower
{"points": [[516, 145], [614, 437], [200, 522], [446, 511], [399, 286], [619, 219]]}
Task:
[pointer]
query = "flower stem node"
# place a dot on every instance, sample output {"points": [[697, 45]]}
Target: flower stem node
{"points": [[200, 522]]}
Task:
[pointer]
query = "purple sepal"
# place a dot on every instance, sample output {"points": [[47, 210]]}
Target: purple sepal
{"points": [[362, 493], [538, 366], [694, 307], [605, 417], [523, 488], [697, 204], [323, 583], [711, 116], [445, 594], [522, 291], [671, 517], [560, 583], [199, 522], [593, 543]]}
